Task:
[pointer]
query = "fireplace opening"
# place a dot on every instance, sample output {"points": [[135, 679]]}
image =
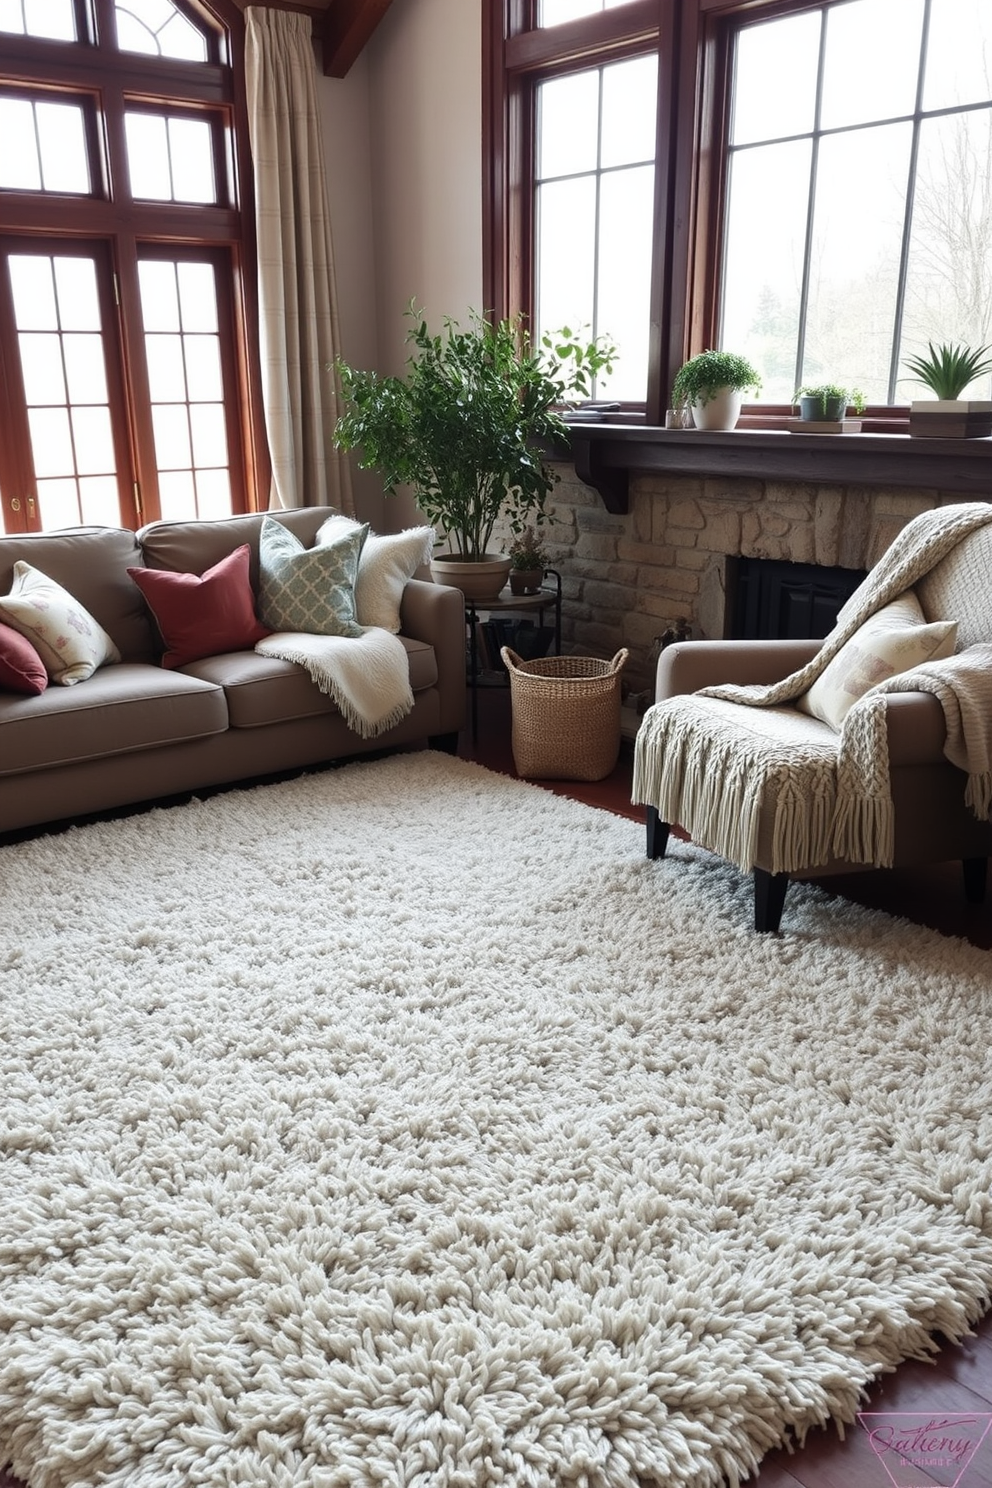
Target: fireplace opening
{"points": [[769, 599]]}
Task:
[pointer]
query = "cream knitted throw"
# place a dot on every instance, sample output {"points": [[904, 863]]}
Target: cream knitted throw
{"points": [[707, 767], [368, 677]]}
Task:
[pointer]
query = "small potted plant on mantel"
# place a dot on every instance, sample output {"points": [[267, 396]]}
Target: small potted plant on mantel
{"points": [[466, 429], [712, 385], [947, 370], [826, 403]]}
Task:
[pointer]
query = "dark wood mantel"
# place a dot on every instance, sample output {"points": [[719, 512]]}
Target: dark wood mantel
{"points": [[607, 455]]}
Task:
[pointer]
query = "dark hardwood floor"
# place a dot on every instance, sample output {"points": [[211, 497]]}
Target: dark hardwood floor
{"points": [[957, 1384]]}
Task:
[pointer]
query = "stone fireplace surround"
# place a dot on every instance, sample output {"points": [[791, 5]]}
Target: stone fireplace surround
{"points": [[627, 578]]}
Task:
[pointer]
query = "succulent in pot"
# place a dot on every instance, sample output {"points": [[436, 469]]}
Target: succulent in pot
{"points": [[826, 402], [528, 561], [948, 370]]}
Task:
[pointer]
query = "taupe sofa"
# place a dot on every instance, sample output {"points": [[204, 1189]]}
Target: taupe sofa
{"points": [[136, 731]]}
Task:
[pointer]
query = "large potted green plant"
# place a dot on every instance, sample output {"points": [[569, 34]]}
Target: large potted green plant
{"points": [[712, 385], [466, 428], [947, 370]]}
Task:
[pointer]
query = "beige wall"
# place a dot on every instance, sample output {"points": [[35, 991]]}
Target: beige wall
{"points": [[403, 142]]}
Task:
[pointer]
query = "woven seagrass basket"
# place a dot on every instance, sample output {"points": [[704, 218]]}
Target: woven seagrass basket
{"points": [[566, 715]]}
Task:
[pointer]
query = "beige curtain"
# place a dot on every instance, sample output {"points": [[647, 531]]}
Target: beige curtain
{"points": [[297, 311]]}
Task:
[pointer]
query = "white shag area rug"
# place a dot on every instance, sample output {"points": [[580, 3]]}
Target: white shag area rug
{"points": [[403, 1125]]}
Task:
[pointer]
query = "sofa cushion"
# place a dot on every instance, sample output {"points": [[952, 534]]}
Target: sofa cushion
{"points": [[121, 708], [21, 668], [92, 563], [202, 614], [195, 546], [262, 690], [311, 590], [71, 643], [386, 565]]}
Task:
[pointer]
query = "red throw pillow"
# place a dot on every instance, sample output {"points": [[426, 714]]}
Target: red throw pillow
{"points": [[202, 614], [21, 668]]}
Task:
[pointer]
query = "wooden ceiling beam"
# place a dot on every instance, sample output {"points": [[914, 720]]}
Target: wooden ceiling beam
{"points": [[348, 26]]}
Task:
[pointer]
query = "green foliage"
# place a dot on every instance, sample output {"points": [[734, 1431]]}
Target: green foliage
{"points": [[948, 369], [464, 426], [827, 391], [527, 551], [698, 379]]}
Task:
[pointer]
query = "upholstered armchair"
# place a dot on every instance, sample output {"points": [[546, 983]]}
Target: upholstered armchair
{"points": [[871, 748]]}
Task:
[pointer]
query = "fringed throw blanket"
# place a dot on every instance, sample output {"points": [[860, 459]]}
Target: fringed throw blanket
{"points": [[368, 677], [708, 767]]}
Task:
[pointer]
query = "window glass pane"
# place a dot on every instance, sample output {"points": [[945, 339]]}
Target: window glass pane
{"points": [[854, 265], [33, 285], [62, 142], [213, 494], [157, 28], [41, 367], [630, 106], [99, 500], [763, 261], [566, 254], [203, 370], [775, 79], [192, 161], [159, 297], [85, 368], [58, 504], [568, 124], [51, 441], [624, 302], [177, 495], [956, 73], [872, 61], [555, 12], [148, 157], [75, 283], [209, 435], [48, 18], [93, 441], [197, 297], [172, 449], [20, 170], [166, 374], [949, 282]]}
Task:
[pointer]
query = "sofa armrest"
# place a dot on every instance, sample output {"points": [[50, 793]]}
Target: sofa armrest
{"points": [[435, 614], [686, 666], [914, 723]]}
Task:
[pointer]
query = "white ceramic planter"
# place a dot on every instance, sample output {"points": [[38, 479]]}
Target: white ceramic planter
{"points": [[721, 411]]}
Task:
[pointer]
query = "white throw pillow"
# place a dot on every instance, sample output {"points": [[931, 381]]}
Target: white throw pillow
{"points": [[894, 640], [386, 564], [66, 637]]}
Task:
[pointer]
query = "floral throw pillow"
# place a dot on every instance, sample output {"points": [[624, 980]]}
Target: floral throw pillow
{"points": [[69, 641], [895, 639], [308, 589]]}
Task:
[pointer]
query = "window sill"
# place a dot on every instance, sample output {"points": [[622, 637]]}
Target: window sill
{"points": [[606, 455]]}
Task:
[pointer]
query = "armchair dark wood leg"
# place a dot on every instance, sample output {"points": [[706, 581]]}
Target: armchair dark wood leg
{"points": [[769, 899], [976, 872], [657, 833]]}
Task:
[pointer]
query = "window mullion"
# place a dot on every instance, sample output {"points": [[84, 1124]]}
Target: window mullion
{"points": [[811, 202]]}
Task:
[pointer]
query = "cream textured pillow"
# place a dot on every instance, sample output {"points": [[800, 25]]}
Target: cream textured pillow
{"points": [[894, 640], [66, 637], [386, 564]]}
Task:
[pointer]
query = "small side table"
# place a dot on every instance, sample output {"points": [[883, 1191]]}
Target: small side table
{"points": [[546, 598]]}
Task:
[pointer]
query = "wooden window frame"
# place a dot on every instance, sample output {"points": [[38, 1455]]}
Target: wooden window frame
{"points": [[113, 81]]}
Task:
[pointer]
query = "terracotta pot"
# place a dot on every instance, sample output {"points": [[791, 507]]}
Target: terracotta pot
{"points": [[526, 580], [479, 579]]}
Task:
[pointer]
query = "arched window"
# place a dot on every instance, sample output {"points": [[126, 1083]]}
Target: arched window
{"points": [[126, 385]]}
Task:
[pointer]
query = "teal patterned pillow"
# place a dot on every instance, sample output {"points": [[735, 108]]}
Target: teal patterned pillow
{"points": [[308, 589]]}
